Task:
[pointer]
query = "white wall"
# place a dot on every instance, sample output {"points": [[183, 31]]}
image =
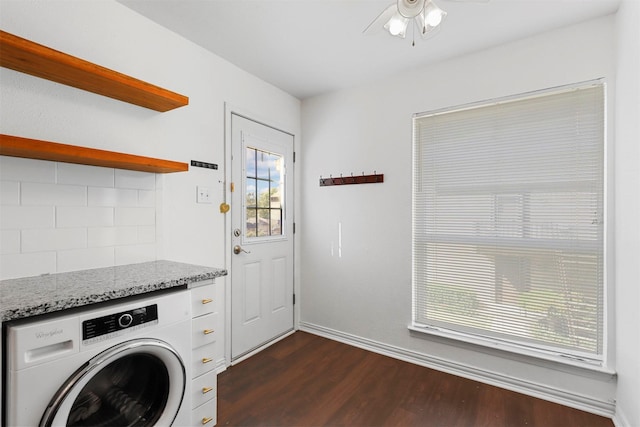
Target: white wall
{"points": [[109, 34], [627, 214], [356, 240]]}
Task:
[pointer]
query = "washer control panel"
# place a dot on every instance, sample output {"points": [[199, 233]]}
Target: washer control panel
{"points": [[106, 326]]}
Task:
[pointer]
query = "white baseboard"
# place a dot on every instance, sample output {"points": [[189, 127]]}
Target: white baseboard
{"points": [[262, 347], [620, 419], [573, 400], [221, 365]]}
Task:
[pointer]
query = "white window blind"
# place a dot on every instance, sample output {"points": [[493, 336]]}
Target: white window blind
{"points": [[508, 221]]}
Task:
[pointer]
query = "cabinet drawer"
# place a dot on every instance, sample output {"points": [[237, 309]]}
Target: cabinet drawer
{"points": [[203, 300], [204, 330], [205, 415], [203, 360], [204, 388]]}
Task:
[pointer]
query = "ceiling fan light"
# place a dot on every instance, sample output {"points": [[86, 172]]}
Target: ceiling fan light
{"points": [[433, 15], [397, 25]]}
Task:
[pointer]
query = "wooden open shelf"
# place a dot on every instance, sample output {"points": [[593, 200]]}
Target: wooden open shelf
{"points": [[28, 57], [35, 149]]}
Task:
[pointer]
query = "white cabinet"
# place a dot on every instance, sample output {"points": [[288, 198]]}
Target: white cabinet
{"points": [[204, 330]]}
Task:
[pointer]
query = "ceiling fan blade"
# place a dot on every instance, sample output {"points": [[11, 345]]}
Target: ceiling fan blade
{"points": [[378, 23]]}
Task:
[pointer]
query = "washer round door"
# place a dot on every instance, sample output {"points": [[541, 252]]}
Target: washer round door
{"points": [[136, 383]]}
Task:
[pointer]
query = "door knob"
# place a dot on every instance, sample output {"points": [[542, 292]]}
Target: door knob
{"points": [[237, 249]]}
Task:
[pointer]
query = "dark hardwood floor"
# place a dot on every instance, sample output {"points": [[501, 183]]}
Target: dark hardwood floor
{"points": [[306, 380]]}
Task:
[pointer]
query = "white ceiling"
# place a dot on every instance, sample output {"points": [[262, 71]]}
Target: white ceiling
{"points": [[307, 47]]}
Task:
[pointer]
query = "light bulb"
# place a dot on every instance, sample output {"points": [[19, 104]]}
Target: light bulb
{"points": [[396, 26], [433, 15], [434, 18]]}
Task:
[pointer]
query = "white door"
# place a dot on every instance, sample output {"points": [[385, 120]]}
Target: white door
{"points": [[261, 235]]}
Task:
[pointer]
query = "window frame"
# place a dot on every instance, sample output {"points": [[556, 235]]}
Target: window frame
{"points": [[538, 352], [248, 240]]}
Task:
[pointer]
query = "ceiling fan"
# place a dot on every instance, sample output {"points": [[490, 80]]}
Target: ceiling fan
{"points": [[425, 15]]}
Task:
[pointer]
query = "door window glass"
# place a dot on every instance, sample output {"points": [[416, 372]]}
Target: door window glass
{"points": [[264, 193]]}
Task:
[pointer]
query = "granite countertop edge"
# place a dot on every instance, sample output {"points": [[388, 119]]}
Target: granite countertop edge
{"points": [[31, 296]]}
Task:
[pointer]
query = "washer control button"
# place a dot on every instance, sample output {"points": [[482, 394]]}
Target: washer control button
{"points": [[125, 320]]}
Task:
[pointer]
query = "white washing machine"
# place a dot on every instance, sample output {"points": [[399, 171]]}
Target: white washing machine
{"points": [[121, 364]]}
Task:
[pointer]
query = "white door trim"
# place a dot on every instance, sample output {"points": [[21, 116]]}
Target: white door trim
{"points": [[229, 110]]}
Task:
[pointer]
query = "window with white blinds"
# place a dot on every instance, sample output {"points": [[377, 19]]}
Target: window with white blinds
{"points": [[508, 221]]}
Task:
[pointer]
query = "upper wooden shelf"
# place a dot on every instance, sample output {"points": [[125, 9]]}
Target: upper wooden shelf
{"points": [[28, 57], [35, 149]]}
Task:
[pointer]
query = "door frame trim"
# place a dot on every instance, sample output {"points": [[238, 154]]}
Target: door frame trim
{"points": [[229, 111]]}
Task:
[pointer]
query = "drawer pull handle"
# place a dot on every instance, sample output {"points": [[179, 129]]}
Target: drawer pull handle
{"points": [[206, 360], [206, 390], [206, 420], [207, 300], [208, 331]]}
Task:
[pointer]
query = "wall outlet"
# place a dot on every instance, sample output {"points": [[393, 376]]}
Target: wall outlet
{"points": [[203, 194]]}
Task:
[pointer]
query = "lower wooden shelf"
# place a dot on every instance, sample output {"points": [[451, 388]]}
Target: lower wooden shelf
{"points": [[16, 146]]}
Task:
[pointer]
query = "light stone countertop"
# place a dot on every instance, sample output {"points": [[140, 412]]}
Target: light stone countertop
{"points": [[31, 296]]}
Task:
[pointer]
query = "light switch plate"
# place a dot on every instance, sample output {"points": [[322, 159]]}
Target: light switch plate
{"points": [[203, 194]]}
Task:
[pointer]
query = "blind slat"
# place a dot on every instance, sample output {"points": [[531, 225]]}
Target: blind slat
{"points": [[508, 221]]}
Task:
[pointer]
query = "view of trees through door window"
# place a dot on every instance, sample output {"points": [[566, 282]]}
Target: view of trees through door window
{"points": [[264, 193]]}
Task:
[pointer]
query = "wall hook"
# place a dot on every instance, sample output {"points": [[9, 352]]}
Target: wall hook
{"points": [[342, 180]]}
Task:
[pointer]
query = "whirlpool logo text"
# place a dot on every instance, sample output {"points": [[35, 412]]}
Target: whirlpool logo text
{"points": [[48, 334]]}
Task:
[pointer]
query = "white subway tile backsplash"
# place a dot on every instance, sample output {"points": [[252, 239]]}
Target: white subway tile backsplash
{"points": [[135, 216], [135, 179], [53, 239], [36, 194], [58, 217], [160, 181], [25, 265], [112, 197], [86, 258], [25, 217], [9, 193], [27, 170], [146, 198], [94, 176], [113, 236], [135, 253], [147, 234], [9, 242], [87, 216]]}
